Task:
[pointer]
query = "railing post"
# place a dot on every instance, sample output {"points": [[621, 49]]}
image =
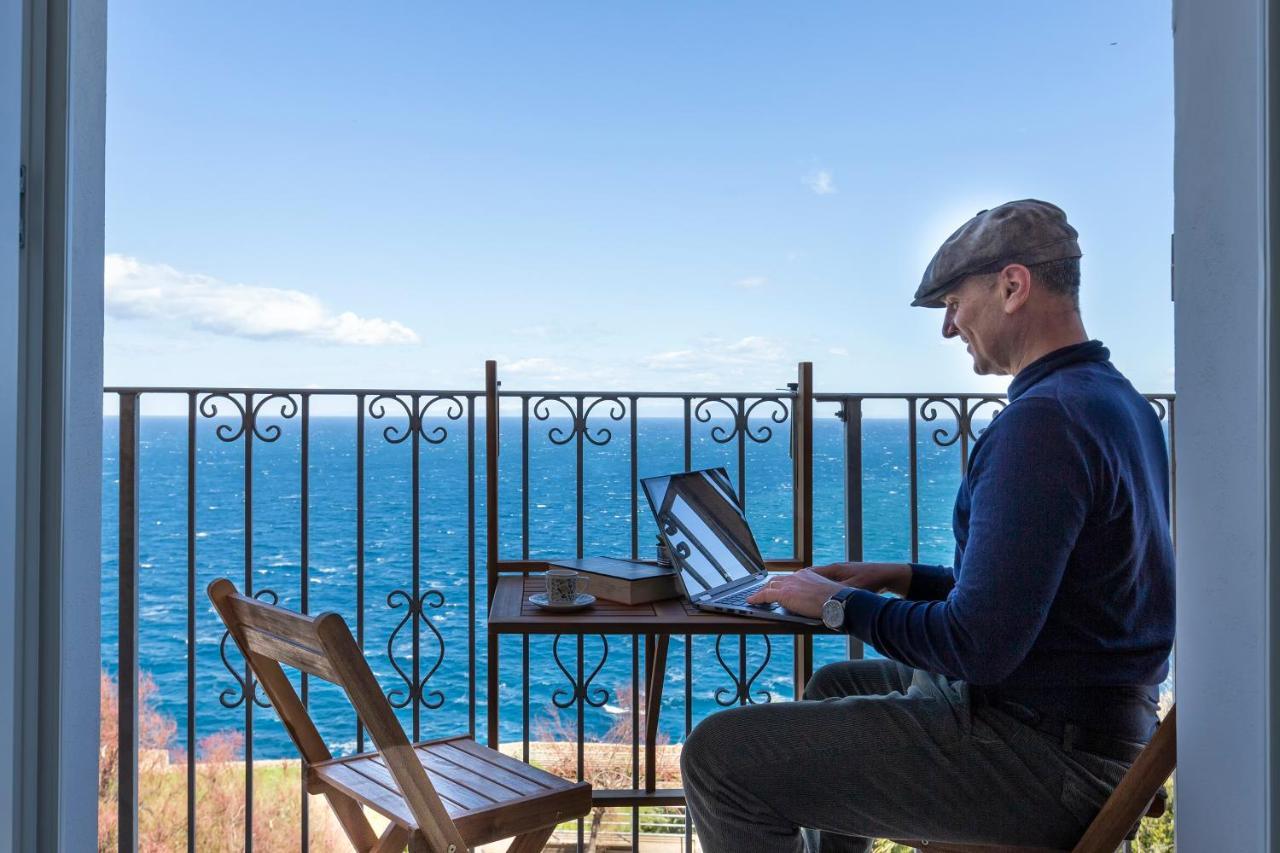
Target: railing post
{"points": [[802, 480], [802, 463], [127, 670], [491, 434], [851, 414]]}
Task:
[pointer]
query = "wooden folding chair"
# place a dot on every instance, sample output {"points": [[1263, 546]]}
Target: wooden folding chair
{"points": [[441, 796], [1137, 796]]}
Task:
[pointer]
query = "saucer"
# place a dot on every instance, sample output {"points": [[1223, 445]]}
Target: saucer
{"points": [[539, 599]]}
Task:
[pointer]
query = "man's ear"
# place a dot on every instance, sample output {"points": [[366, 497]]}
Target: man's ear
{"points": [[1015, 287]]}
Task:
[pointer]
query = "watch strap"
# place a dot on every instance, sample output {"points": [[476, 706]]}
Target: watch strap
{"points": [[843, 595]]}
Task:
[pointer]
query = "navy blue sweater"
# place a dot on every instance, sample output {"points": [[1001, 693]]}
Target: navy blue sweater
{"points": [[1062, 593]]}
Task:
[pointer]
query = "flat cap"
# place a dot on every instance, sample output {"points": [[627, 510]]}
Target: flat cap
{"points": [[1025, 232]]}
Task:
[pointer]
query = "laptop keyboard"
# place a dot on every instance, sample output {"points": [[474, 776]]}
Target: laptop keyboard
{"points": [[739, 598]]}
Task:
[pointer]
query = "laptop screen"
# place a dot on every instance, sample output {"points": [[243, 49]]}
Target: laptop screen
{"points": [[702, 522]]}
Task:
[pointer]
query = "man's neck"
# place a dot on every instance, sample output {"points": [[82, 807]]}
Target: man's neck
{"points": [[1065, 335]]}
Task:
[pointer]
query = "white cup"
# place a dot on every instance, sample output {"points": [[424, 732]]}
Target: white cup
{"points": [[564, 585]]}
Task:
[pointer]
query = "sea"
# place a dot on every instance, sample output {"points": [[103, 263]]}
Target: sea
{"points": [[448, 563]]}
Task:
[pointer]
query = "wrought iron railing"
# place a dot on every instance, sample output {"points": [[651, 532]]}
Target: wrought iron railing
{"points": [[401, 484]]}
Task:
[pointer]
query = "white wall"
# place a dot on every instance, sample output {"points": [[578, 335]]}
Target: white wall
{"points": [[10, 145], [52, 117], [80, 387], [1222, 657]]}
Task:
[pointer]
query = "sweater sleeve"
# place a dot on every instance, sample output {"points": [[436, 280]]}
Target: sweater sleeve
{"points": [[1031, 493]]}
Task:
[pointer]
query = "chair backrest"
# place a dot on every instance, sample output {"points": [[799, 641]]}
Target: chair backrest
{"points": [[1128, 802], [322, 646]]}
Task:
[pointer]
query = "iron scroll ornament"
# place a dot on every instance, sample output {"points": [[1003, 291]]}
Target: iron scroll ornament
{"points": [[378, 411], [1161, 410], [595, 697], [416, 415], [929, 413], [415, 691], [578, 422], [997, 405], [764, 432], [740, 693], [233, 697], [248, 417], [453, 410], [740, 418], [604, 435]]}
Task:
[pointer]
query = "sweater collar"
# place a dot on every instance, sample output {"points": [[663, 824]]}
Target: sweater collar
{"points": [[1056, 360]]}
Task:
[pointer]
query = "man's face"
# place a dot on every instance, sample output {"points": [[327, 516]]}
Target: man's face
{"points": [[975, 314]]}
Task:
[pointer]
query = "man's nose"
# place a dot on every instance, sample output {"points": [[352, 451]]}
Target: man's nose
{"points": [[949, 329]]}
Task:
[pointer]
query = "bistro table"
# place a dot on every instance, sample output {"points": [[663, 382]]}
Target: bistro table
{"points": [[511, 613]]}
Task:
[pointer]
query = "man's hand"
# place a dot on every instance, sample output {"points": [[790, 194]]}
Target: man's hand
{"points": [[877, 577], [803, 592]]}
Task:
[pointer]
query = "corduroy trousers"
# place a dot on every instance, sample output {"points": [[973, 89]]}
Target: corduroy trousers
{"points": [[880, 750]]}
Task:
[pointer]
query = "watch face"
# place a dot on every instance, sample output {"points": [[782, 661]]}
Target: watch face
{"points": [[833, 613]]}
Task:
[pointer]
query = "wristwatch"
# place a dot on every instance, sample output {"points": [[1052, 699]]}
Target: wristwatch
{"points": [[833, 609]]}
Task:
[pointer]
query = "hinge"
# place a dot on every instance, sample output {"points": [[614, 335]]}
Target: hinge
{"points": [[22, 207]]}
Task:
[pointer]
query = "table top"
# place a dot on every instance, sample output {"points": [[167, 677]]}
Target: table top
{"points": [[512, 613]]}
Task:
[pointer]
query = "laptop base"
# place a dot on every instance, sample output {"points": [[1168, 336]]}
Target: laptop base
{"points": [[779, 615]]}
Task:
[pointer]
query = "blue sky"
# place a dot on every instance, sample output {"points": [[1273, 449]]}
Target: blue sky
{"points": [[614, 196]]}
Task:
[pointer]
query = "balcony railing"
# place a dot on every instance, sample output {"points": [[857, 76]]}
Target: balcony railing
{"points": [[400, 507]]}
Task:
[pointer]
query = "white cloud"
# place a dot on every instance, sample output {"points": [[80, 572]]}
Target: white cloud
{"points": [[137, 290], [751, 282], [557, 372], [755, 348], [534, 364], [840, 352], [821, 181], [750, 351]]}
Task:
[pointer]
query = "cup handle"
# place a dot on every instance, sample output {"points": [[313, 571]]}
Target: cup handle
{"points": [[580, 584]]}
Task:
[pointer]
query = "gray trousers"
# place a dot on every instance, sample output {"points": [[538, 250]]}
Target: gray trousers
{"points": [[879, 750]]}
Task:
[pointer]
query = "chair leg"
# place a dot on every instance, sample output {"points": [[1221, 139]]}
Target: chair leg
{"points": [[419, 844], [393, 839], [532, 842]]}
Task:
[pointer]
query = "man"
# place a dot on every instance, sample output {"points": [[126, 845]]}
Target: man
{"points": [[1019, 685]]}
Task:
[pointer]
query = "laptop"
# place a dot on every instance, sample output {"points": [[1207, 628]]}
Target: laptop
{"points": [[702, 523]]}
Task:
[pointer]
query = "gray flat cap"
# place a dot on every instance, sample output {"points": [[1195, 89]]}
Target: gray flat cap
{"points": [[1019, 232]]}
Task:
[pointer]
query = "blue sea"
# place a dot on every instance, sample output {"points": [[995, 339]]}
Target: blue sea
{"points": [[445, 566]]}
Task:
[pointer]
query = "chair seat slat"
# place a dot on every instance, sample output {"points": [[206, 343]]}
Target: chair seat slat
{"points": [[459, 793], [450, 790], [491, 789], [497, 773], [496, 759], [387, 803]]}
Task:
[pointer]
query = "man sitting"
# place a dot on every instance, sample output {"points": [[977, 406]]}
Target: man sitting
{"points": [[1021, 684]]}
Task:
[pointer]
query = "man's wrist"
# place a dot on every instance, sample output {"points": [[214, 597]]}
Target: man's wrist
{"points": [[900, 580], [833, 612]]}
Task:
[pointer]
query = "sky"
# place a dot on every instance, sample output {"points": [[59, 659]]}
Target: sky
{"points": [[614, 196]]}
